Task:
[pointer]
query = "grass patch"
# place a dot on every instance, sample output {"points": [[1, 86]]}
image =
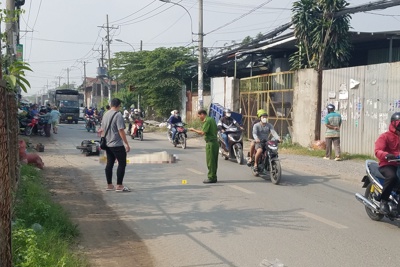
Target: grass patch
{"points": [[296, 149], [42, 234]]}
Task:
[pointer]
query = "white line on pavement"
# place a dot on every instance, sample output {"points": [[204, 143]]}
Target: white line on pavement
{"points": [[323, 220], [241, 189], [194, 171]]}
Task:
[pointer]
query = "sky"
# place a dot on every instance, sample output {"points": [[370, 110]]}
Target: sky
{"points": [[62, 34]]}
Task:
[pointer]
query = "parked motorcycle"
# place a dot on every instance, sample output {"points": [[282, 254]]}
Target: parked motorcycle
{"points": [[180, 136], [138, 130], [373, 184], [235, 141], [91, 124], [39, 126], [268, 162]]}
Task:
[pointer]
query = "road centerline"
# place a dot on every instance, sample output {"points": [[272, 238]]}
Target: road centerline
{"points": [[194, 171], [323, 220], [241, 189]]}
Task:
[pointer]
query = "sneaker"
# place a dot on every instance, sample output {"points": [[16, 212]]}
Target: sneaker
{"points": [[338, 159], [326, 158], [208, 181]]}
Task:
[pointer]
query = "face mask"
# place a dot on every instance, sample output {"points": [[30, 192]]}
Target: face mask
{"points": [[264, 120], [176, 115], [397, 125], [228, 114]]}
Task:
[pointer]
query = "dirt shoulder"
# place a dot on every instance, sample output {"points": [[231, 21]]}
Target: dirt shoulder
{"points": [[105, 239]]}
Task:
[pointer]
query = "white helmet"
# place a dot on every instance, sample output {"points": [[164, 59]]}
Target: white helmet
{"points": [[135, 110]]}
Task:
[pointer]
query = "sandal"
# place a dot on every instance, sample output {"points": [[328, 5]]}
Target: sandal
{"points": [[110, 189], [125, 189]]}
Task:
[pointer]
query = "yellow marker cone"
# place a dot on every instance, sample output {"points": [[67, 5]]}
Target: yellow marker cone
{"points": [[184, 181]]}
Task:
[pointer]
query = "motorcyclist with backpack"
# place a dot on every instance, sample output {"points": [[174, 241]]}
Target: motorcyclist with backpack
{"points": [[387, 147], [227, 122]]}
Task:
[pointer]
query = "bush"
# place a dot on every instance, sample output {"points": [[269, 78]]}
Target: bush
{"points": [[48, 245]]}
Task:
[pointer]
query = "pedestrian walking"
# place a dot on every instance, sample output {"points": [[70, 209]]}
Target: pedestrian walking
{"points": [[113, 129], [55, 119], [209, 130], [333, 121]]}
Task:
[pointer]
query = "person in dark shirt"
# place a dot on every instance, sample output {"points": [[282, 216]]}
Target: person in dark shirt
{"points": [[225, 123], [174, 119]]}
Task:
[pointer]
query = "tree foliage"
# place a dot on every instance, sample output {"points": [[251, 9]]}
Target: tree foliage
{"points": [[157, 75], [323, 39], [127, 97]]}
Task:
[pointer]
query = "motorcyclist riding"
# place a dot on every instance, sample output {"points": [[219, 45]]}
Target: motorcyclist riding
{"points": [[387, 147], [253, 143], [261, 131], [135, 115], [175, 118], [225, 123]]}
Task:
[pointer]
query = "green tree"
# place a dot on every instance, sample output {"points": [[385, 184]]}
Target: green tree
{"points": [[323, 39], [127, 97], [157, 76]]}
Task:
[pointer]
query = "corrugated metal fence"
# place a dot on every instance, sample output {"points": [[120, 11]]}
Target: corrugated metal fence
{"points": [[366, 97]]}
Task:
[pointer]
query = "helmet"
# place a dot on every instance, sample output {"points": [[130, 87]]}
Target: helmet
{"points": [[331, 107], [263, 114], [135, 110], [395, 117], [260, 112], [138, 110], [227, 110]]}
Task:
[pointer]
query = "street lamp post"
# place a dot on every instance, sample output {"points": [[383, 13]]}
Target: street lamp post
{"points": [[200, 47], [119, 40]]}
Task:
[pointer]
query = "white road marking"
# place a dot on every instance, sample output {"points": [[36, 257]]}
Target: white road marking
{"points": [[241, 189], [195, 171], [323, 220]]}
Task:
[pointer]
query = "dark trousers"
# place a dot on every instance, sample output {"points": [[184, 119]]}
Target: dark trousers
{"points": [[116, 153], [389, 171]]}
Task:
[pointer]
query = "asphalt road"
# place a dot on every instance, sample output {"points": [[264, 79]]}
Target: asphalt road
{"points": [[308, 220]]}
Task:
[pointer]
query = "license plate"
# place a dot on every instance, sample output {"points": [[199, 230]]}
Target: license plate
{"points": [[94, 148], [69, 118]]}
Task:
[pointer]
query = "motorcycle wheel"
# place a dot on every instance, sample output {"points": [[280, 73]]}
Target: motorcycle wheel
{"points": [[368, 195], [94, 128], [141, 135], [275, 171], [182, 140], [28, 130], [239, 154]]}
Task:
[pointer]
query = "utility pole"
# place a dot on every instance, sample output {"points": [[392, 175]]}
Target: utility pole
{"points": [[200, 60], [67, 78], [141, 45], [109, 56], [84, 84]]}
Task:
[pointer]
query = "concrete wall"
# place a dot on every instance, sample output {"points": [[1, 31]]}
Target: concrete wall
{"points": [[225, 91], [304, 107], [195, 104]]}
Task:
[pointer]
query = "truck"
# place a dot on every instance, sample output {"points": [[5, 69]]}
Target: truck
{"points": [[67, 101]]}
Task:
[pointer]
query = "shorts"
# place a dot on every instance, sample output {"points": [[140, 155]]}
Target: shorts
{"points": [[259, 145], [54, 123]]}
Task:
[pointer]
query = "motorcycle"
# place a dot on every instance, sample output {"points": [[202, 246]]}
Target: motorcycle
{"points": [[91, 124], [268, 162], [373, 184], [180, 136], [23, 124], [138, 129], [235, 141], [40, 125]]}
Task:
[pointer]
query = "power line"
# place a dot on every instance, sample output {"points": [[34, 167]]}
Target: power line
{"points": [[240, 17], [126, 22], [133, 12]]}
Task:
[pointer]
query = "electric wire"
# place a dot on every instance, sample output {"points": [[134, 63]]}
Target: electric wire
{"points": [[33, 27], [240, 17], [133, 12]]}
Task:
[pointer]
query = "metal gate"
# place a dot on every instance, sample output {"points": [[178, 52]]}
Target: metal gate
{"points": [[274, 94]]}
